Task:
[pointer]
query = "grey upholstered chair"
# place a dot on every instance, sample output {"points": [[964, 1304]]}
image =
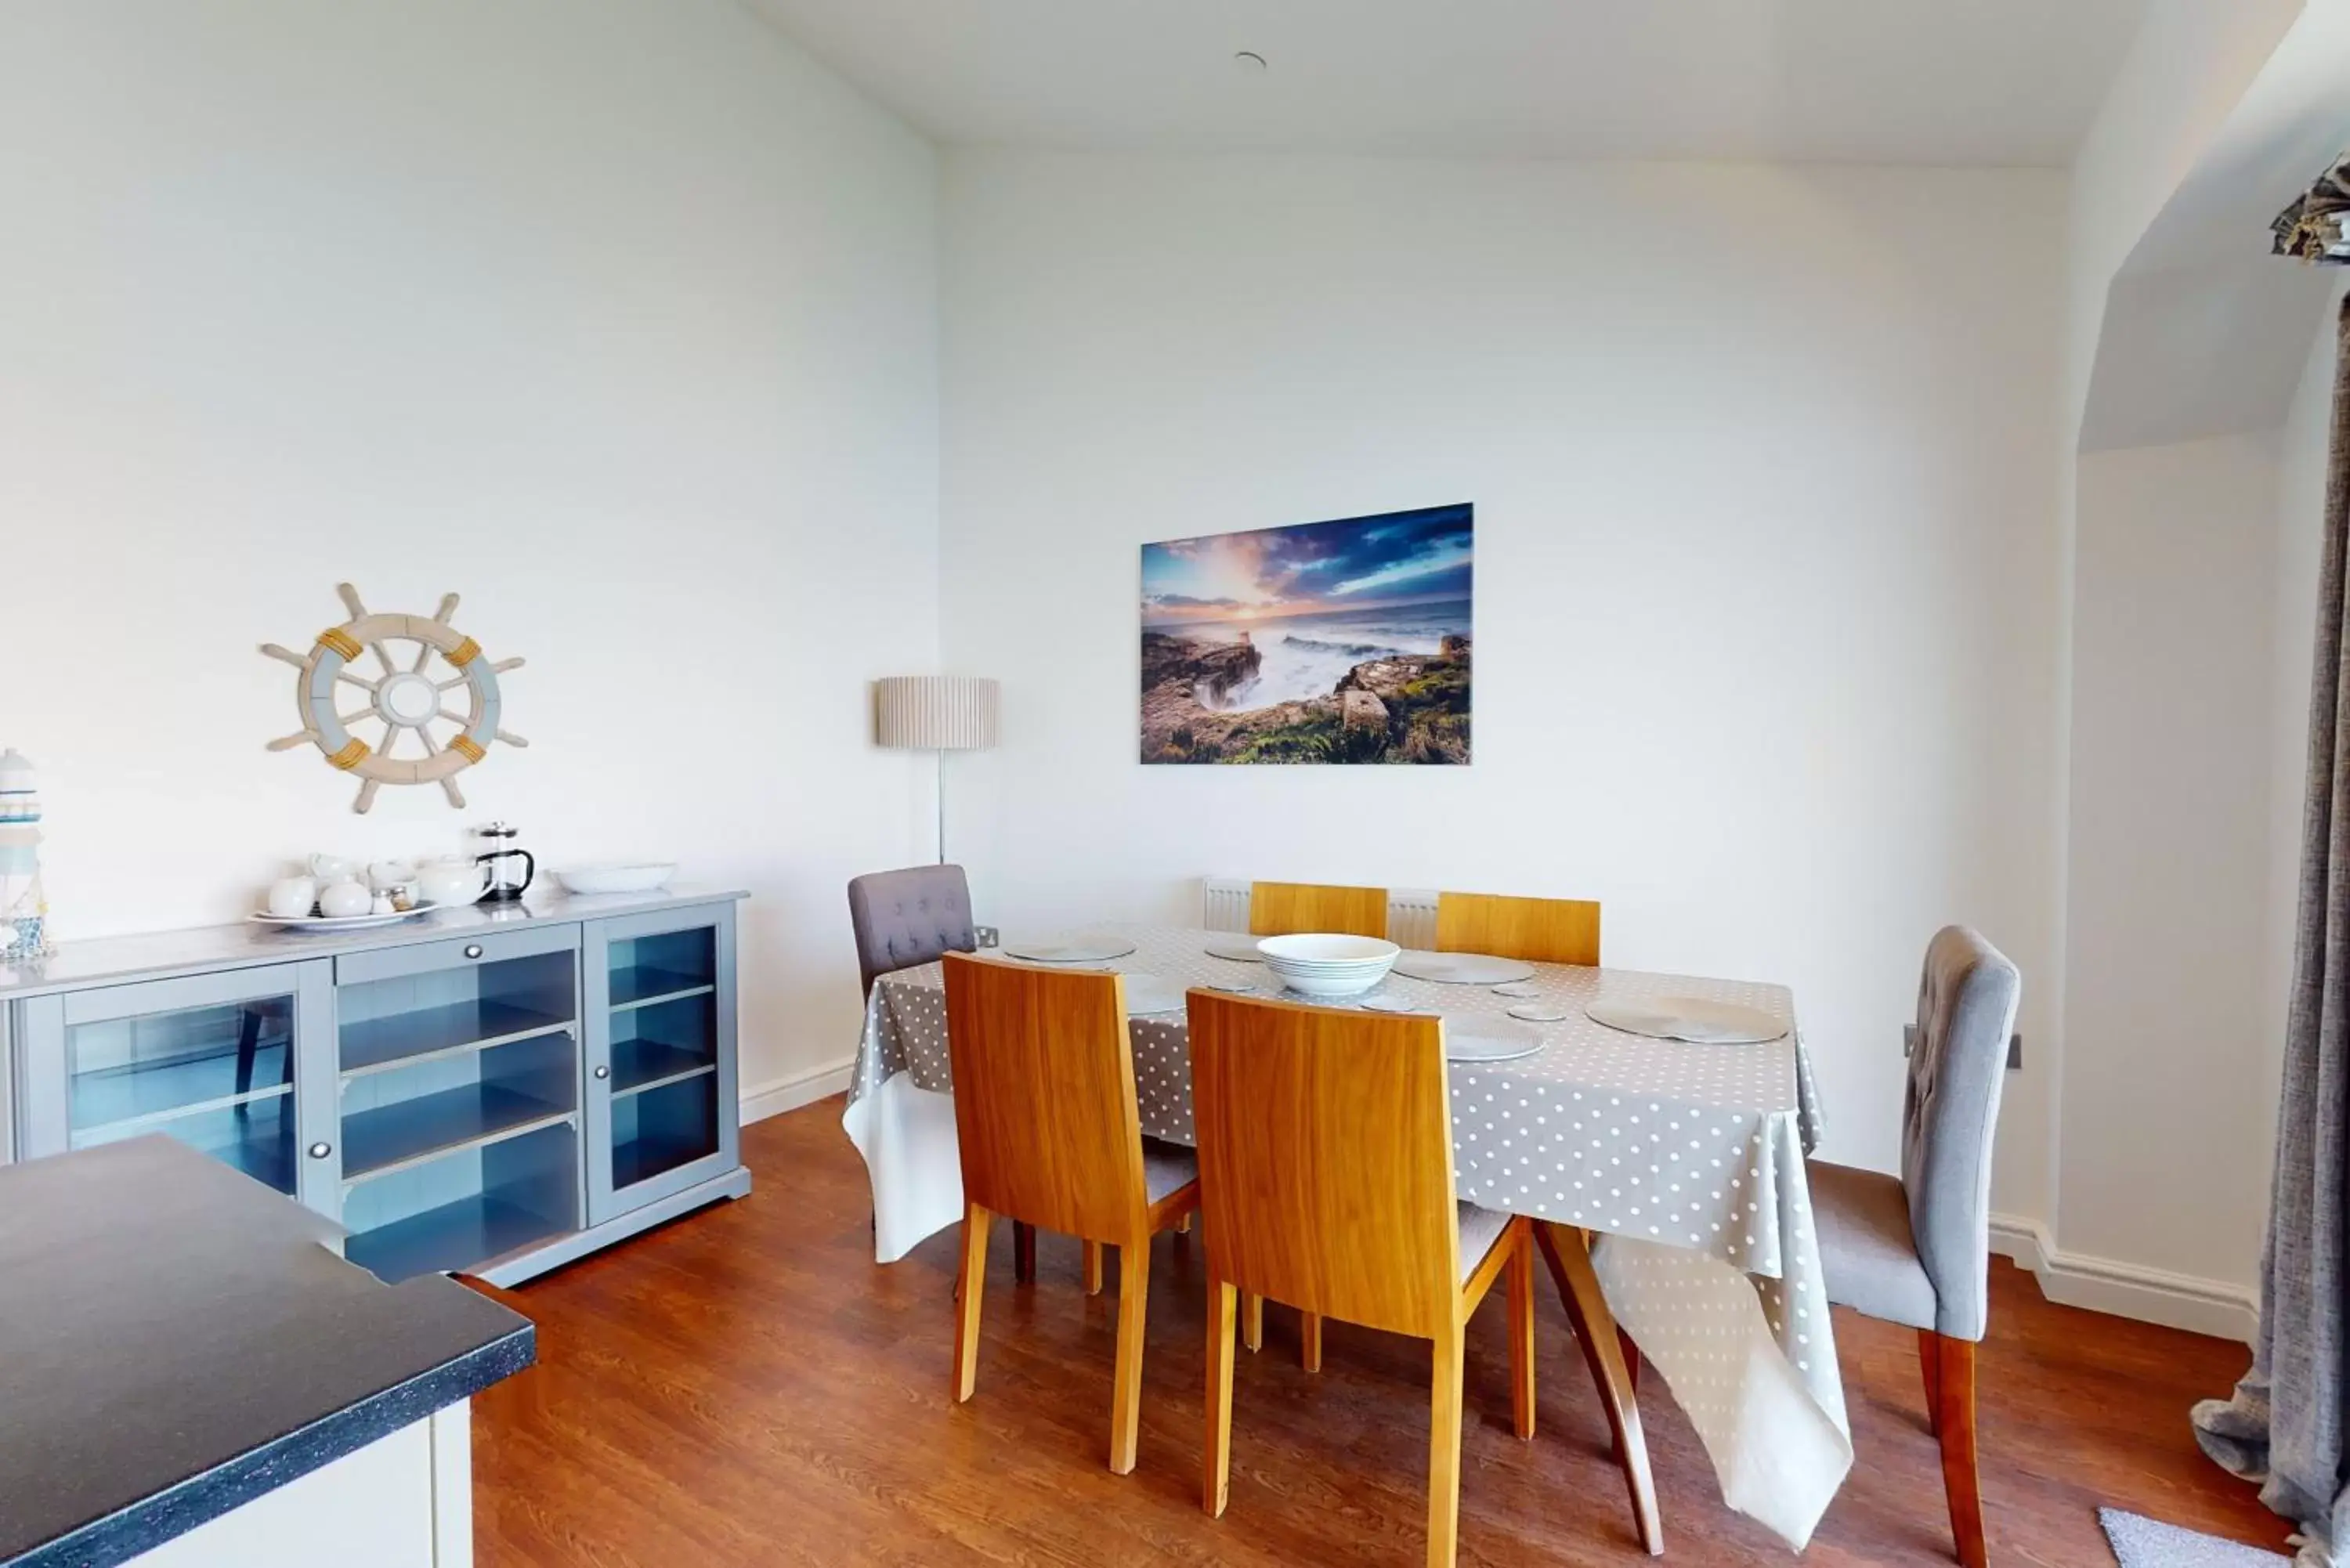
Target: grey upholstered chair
{"points": [[913, 917], [1916, 1249], [903, 919]]}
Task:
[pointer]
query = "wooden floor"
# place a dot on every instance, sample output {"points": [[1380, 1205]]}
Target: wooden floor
{"points": [[745, 1387]]}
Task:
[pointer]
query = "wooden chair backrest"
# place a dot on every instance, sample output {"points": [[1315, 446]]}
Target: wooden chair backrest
{"points": [[1286, 908], [1326, 1159], [1044, 1096], [1537, 931]]}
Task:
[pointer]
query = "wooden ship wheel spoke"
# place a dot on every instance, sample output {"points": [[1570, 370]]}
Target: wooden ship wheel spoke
{"points": [[404, 699]]}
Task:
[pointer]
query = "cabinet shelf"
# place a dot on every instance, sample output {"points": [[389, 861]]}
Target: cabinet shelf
{"points": [[88, 1133], [639, 1065], [376, 1044], [650, 1154], [395, 1137], [648, 985], [459, 1235], [126, 1097]]}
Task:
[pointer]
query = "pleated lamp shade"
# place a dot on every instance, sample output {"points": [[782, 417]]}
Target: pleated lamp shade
{"points": [[936, 712]]}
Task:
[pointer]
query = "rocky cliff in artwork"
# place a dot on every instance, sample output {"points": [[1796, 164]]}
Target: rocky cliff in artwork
{"points": [[1400, 708]]}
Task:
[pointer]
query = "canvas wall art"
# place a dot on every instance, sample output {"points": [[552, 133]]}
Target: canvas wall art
{"points": [[1345, 641]]}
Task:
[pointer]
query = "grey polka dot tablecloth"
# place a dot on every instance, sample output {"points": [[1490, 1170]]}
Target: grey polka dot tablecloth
{"points": [[1687, 1160]]}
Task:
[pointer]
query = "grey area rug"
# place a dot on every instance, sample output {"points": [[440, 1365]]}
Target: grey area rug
{"points": [[2141, 1543]]}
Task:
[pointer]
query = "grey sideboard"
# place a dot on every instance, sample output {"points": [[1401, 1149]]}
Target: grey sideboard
{"points": [[495, 1090]]}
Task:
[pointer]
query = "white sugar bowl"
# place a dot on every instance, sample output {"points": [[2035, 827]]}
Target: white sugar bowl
{"points": [[341, 901]]}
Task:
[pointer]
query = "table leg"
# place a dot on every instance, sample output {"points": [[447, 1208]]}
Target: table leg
{"points": [[1568, 1253]]}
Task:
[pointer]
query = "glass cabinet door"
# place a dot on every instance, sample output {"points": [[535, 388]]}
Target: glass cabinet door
{"points": [[212, 1060], [660, 1058]]}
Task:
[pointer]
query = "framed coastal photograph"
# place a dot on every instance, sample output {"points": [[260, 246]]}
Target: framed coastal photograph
{"points": [[1345, 641]]}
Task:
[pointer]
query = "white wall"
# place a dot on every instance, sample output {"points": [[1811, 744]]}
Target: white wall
{"points": [[2173, 655], [1765, 469], [618, 319]]}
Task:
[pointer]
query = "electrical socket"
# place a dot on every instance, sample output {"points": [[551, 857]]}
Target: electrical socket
{"points": [[986, 936]]}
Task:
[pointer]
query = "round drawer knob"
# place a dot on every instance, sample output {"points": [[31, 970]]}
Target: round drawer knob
{"points": [[603, 1072], [321, 1150], [472, 950]]}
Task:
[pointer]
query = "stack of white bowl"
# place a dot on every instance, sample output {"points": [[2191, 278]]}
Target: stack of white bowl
{"points": [[1326, 967]]}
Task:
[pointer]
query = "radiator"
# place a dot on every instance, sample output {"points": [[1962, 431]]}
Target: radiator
{"points": [[1411, 913]]}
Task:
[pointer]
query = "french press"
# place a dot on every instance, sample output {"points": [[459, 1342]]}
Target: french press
{"points": [[499, 852]]}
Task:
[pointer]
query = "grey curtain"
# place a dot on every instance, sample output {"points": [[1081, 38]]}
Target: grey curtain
{"points": [[2285, 1426]]}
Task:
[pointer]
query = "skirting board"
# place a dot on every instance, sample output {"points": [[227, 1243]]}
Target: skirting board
{"points": [[776, 1096], [2126, 1290]]}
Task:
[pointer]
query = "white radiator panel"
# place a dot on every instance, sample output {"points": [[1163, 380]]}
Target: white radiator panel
{"points": [[1411, 914]]}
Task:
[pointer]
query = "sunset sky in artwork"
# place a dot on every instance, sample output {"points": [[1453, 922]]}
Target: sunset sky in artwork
{"points": [[1401, 557]]}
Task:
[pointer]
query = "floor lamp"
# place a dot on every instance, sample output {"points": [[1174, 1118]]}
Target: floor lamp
{"points": [[938, 713]]}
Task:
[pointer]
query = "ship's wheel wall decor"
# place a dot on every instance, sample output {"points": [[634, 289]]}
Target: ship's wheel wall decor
{"points": [[406, 697]]}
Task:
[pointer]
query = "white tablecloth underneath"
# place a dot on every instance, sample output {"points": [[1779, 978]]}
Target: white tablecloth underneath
{"points": [[1687, 1160]]}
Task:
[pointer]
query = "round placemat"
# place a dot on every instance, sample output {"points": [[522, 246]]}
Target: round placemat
{"points": [[1478, 1037], [1690, 1018], [1239, 950], [1463, 968], [1152, 993], [1069, 949]]}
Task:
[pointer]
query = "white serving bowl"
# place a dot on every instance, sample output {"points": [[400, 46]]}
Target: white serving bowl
{"points": [[631, 876], [1326, 966]]}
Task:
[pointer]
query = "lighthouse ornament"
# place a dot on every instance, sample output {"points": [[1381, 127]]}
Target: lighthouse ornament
{"points": [[23, 912]]}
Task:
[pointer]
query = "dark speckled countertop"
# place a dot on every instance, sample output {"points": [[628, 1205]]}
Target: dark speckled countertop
{"points": [[175, 1342]]}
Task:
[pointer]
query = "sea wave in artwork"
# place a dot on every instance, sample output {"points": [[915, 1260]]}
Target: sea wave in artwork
{"points": [[1306, 656]]}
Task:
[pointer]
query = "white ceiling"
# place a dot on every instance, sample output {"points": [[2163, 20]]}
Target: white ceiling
{"points": [[1874, 81]]}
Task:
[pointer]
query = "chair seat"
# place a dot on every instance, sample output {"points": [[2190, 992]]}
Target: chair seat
{"points": [[1167, 1168], [1479, 1229], [1866, 1249]]}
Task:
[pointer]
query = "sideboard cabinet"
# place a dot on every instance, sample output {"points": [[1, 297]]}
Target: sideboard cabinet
{"points": [[493, 1091]]}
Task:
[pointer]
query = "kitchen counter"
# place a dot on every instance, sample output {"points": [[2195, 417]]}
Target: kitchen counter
{"points": [[115, 960], [176, 1343]]}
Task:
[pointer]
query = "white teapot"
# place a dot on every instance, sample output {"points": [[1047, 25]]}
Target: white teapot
{"points": [[451, 879]]}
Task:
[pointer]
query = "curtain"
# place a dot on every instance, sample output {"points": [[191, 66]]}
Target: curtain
{"points": [[2283, 1427]]}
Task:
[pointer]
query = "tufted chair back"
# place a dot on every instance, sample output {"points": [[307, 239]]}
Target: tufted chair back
{"points": [[906, 918], [1966, 1011]]}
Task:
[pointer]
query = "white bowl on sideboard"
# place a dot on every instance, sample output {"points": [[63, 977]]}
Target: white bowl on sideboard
{"points": [[618, 877], [1329, 966]]}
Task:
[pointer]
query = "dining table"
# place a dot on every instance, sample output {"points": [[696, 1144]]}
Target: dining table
{"points": [[1684, 1162]]}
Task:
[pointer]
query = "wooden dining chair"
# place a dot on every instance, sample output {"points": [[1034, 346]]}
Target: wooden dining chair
{"points": [[1286, 908], [1916, 1249], [1536, 930], [1044, 1112], [1326, 1181]]}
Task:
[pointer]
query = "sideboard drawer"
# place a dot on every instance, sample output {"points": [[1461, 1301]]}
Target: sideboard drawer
{"points": [[454, 952]]}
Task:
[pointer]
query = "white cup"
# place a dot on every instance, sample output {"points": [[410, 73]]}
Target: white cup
{"points": [[291, 898], [330, 868]]}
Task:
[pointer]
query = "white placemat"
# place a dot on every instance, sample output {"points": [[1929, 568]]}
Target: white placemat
{"points": [[1481, 1037], [1152, 993], [1239, 950], [1695, 1018], [1069, 949], [1463, 968]]}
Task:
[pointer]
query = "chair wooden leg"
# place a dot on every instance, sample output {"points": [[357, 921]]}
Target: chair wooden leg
{"points": [[1522, 1335], [1309, 1341], [1444, 1451], [1569, 1257], [1252, 1320], [1093, 1267], [1126, 1399], [1929, 1363], [1216, 1463], [1183, 1226], [975, 1223], [1024, 1252], [1954, 1423], [1631, 1354]]}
